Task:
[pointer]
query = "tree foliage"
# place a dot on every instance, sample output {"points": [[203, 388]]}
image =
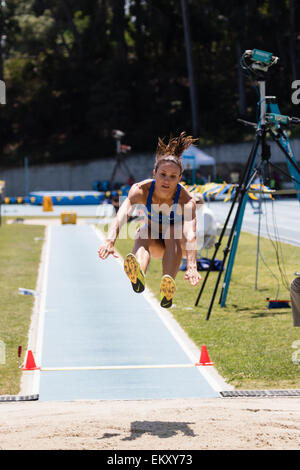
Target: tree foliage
{"points": [[76, 70]]}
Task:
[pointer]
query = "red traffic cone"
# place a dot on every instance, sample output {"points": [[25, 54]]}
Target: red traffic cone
{"points": [[30, 362], [204, 358]]}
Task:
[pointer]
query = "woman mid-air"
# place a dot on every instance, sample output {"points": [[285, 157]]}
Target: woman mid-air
{"points": [[169, 231]]}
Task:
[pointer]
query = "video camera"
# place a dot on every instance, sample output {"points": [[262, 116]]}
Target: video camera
{"points": [[121, 148], [117, 134], [257, 60]]}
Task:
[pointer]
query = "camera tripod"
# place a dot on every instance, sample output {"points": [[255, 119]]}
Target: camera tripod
{"points": [[119, 163], [265, 125], [121, 150]]}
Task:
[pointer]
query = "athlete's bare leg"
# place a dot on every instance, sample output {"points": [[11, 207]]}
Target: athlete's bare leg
{"points": [[146, 248], [172, 257], [169, 250]]}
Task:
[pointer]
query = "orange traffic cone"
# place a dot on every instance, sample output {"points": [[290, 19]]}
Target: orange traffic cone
{"points": [[30, 362], [204, 358]]}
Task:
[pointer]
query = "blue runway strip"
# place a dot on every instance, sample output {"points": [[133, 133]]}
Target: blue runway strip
{"points": [[93, 318]]}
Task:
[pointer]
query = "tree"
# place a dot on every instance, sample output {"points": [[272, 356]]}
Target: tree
{"points": [[76, 70]]}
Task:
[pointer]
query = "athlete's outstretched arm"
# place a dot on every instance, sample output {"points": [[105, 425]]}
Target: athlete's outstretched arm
{"points": [[190, 237], [126, 209]]}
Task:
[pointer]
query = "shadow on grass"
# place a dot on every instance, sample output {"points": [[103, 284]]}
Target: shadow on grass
{"points": [[261, 313], [269, 313]]}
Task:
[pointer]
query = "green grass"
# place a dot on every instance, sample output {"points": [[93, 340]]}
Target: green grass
{"points": [[19, 261], [250, 344]]}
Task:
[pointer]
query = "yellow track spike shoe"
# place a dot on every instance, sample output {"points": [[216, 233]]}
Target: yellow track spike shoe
{"points": [[167, 291], [134, 272]]}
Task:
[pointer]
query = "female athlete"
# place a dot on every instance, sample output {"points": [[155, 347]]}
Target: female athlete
{"points": [[169, 231]]}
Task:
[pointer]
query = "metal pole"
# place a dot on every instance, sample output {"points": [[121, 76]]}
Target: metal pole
{"points": [[262, 93], [258, 238], [193, 93], [26, 176], [236, 228], [259, 139]]}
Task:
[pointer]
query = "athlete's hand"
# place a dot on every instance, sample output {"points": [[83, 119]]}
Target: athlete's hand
{"points": [[106, 250], [193, 276]]}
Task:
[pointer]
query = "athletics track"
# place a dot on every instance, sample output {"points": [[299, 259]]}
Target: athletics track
{"points": [[98, 340]]}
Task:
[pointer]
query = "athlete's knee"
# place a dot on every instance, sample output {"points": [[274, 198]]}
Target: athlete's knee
{"points": [[142, 233]]}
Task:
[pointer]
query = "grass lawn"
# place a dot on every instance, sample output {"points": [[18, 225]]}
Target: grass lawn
{"points": [[251, 345], [19, 261]]}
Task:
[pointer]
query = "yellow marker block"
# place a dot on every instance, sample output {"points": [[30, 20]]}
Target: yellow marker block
{"points": [[68, 217], [47, 204]]}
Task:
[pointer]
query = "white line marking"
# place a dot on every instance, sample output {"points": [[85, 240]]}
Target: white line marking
{"points": [[156, 366], [42, 309]]}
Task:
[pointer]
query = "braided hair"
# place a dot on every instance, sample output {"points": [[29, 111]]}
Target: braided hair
{"points": [[172, 151]]}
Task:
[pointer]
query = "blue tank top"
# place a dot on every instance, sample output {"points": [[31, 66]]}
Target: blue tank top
{"points": [[161, 218]]}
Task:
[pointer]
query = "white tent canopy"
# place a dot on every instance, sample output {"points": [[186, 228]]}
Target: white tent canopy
{"points": [[194, 158]]}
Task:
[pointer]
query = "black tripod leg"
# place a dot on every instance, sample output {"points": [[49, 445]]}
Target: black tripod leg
{"points": [[246, 189], [284, 173], [217, 246], [244, 178], [127, 168], [275, 137], [244, 186], [112, 178]]}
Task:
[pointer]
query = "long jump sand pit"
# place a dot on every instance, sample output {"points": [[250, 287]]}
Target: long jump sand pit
{"points": [[193, 424]]}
